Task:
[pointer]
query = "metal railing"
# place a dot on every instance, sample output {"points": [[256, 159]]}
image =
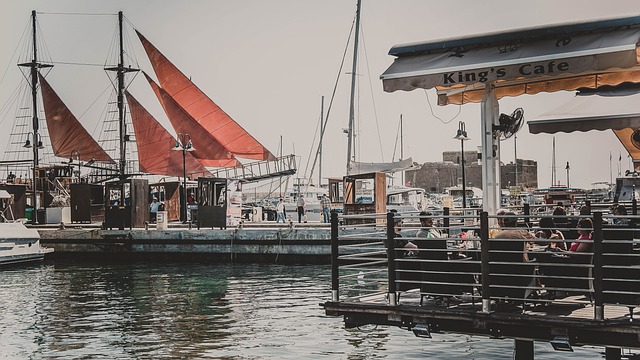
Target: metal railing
{"points": [[466, 258]]}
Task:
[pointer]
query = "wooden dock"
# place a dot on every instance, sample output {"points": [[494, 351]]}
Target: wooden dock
{"points": [[490, 289]]}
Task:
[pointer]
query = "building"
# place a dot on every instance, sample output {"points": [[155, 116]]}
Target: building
{"points": [[436, 176]]}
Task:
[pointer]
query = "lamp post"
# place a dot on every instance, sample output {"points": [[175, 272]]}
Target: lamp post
{"points": [[462, 136], [183, 142], [37, 141], [567, 168]]}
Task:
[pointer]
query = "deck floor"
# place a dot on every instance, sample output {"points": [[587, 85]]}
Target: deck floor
{"points": [[576, 307]]}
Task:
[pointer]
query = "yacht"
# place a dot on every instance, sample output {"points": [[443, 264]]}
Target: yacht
{"points": [[18, 244]]}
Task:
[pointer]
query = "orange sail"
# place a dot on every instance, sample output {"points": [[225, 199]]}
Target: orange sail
{"points": [[208, 150], [201, 108], [68, 137], [155, 144]]}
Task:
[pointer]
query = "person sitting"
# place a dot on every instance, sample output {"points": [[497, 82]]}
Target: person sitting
{"points": [[554, 238], [400, 242], [11, 177], [619, 211], [583, 242]]}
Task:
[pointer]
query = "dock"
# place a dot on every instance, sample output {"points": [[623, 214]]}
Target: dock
{"points": [[478, 285], [264, 242]]}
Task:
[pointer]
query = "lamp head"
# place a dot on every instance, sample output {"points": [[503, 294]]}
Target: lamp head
{"points": [[27, 144]]}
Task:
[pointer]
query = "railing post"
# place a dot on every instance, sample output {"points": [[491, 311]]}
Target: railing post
{"points": [[597, 266], [391, 259], [634, 206], [446, 220], [335, 269], [484, 264], [527, 212]]}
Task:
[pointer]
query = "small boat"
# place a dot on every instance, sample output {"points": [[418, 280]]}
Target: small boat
{"points": [[18, 244]]}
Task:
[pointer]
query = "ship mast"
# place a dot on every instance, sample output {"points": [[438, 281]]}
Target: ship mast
{"points": [[122, 126], [34, 65], [350, 143]]}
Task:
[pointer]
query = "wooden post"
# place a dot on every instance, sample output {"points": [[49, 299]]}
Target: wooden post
{"points": [[523, 350], [335, 269], [597, 266], [484, 264], [391, 259]]}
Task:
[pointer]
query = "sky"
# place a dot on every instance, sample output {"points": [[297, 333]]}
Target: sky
{"points": [[269, 63]]}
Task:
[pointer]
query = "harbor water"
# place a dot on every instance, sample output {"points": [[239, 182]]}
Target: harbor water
{"points": [[81, 310]]}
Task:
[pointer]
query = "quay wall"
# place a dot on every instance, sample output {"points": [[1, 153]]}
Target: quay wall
{"points": [[287, 245]]}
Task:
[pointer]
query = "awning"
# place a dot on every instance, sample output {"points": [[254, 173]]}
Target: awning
{"points": [[529, 61], [586, 113], [364, 168]]}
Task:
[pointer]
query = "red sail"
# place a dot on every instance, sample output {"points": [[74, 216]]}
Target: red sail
{"points": [[155, 145], [201, 108], [208, 150], [68, 137]]}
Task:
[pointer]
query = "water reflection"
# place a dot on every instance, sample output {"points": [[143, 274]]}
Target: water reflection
{"points": [[185, 310]]}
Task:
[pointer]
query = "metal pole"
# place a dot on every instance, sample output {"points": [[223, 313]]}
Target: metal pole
{"points": [[484, 263], [391, 259], [320, 145], [121, 122], [354, 67], [184, 180], [401, 151], [598, 261], [464, 184], [335, 269], [36, 124]]}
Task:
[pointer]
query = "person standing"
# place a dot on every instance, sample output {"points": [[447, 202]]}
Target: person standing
{"points": [[154, 206], [300, 204], [326, 208], [280, 211]]}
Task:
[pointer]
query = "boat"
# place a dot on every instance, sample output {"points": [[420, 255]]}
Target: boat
{"points": [[627, 187], [138, 145], [406, 200], [473, 196], [18, 244]]}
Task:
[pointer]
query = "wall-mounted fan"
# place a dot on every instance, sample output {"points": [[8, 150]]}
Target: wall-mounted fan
{"points": [[509, 124]]}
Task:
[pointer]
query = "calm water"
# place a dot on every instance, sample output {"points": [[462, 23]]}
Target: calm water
{"points": [[67, 310]]}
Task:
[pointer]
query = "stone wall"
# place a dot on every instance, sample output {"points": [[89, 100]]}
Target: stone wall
{"points": [[436, 176]]}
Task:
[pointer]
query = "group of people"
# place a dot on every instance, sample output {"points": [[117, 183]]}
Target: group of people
{"points": [[325, 203]]}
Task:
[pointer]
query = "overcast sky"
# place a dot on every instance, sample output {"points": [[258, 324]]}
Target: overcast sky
{"points": [[268, 63]]}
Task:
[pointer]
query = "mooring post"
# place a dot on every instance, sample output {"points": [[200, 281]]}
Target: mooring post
{"points": [[484, 263], [335, 269], [523, 349], [598, 298], [391, 259]]}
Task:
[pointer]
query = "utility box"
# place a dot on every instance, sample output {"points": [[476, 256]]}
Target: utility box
{"points": [[126, 204], [219, 202], [365, 194]]}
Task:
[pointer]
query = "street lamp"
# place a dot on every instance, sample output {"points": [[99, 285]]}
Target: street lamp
{"points": [[183, 142], [567, 168], [462, 136], [37, 141]]}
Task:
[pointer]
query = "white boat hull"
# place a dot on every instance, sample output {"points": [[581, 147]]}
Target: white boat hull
{"points": [[18, 244]]}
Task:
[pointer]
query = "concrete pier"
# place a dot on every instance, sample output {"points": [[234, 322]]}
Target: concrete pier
{"points": [[304, 243]]}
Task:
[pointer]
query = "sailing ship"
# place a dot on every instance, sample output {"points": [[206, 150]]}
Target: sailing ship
{"points": [[220, 142]]}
